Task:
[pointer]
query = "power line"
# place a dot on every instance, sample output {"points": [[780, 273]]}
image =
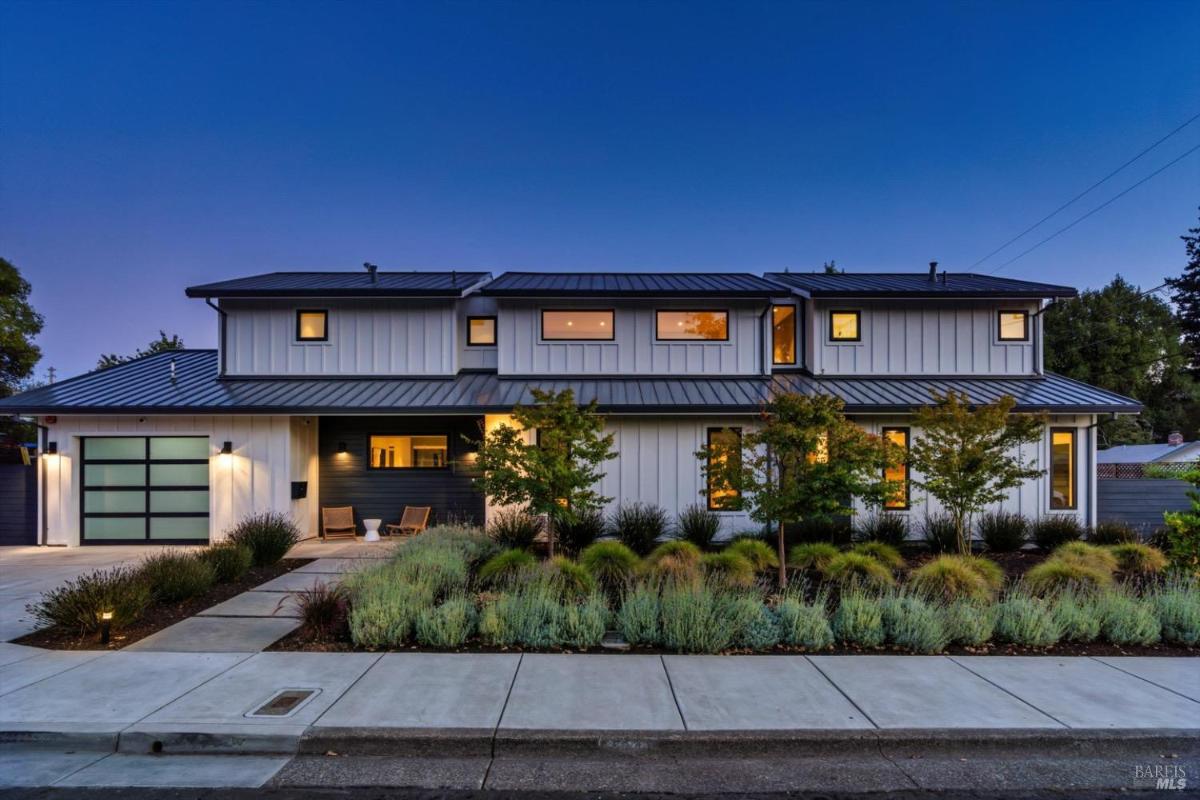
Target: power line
{"points": [[1079, 196], [1100, 207]]}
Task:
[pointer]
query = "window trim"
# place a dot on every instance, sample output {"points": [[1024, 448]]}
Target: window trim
{"points": [[402, 470], [1000, 312], [324, 312], [495, 330], [612, 333], [658, 311], [1074, 476], [857, 325], [907, 477], [795, 307], [708, 495]]}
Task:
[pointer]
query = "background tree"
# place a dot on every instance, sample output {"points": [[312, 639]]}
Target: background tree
{"points": [[1120, 339], [1185, 293], [160, 345], [805, 461], [968, 457], [1183, 530], [19, 323], [555, 475]]}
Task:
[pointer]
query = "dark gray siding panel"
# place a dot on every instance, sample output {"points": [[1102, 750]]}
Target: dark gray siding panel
{"points": [[346, 481], [1140, 502], [18, 504]]}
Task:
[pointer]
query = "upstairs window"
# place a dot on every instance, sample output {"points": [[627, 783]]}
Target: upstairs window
{"points": [[577, 325], [783, 335], [408, 452], [481, 331], [844, 326], [1062, 468], [1013, 326], [312, 325], [689, 325], [899, 473]]}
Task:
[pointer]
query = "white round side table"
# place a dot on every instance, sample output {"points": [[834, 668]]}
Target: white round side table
{"points": [[372, 526]]}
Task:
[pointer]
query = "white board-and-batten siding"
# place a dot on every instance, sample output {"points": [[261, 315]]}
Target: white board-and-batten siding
{"points": [[365, 337], [923, 338]]}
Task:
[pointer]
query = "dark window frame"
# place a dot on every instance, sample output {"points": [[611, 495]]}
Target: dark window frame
{"points": [[324, 312], [145, 488], [708, 488], [1000, 337], [907, 431], [658, 311], [612, 333], [795, 335], [495, 330], [1073, 474], [857, 324], [443, 468]]}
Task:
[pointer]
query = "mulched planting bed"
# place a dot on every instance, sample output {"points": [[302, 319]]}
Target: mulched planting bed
{"points": [[159, 616]]}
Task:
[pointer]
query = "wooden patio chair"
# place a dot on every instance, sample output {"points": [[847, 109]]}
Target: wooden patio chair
{"points": [[337, 522], [412, 521]]}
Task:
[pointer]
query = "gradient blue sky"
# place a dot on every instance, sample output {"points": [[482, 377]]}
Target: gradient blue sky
{"points": [[148, 146]]}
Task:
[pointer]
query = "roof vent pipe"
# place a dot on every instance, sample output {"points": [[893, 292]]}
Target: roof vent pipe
{"points": [[371, 270], [943, 277], [932, 271], [172, 369]]}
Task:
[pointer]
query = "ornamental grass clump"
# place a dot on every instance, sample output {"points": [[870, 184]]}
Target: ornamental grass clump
{"points": [[507, 568], [574, 535], [1177, 604], [1002, 531], [1056, 530], [174, 575], [1136, 559], [760, 554], [940, 533], [269, 535], [698, 525], [1128, 620], [949, 578], [915, 624], [583, 623], [1098, 558], [805, 625], [728, 568], [1106, 533], [1026, 620], [856, 569], [697, 617], [612, 564], [673, 560], [969, 623], [1058, 574], [78, 603], [858, 619], [638, 616], [891, 529], [229, 561], [639, 526], [1078, 615], [449, 624], [813, 557], [513, 529], [323, 610], [991, 572], [883, 553], [572, 580]]}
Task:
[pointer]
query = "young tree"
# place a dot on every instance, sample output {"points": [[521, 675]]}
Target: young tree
{"points": [[554, 475], [160, 345], [1185, 293], [968, 457], [19, 323], [1183, 530], [804, 461]]}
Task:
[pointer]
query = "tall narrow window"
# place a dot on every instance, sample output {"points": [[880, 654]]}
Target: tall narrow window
{"points": [[1013, 326], [312, 325], [821, 454], [899, 473], [575, 325], [708, 325], [783, 334], [844, 326], [481, 331], [1062, 468], [724, 450]]}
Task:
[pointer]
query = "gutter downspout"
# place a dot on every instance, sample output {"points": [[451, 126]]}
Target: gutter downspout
{"points": [[762, 336], [1039, 352], [43, 485], [221, 348]]}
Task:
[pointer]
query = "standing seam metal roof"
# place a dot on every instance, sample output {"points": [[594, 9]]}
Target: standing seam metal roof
{"points": [[915, 284], [343, 284], [632, 284]]}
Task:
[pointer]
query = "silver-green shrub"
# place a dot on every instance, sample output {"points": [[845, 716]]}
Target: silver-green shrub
{"points": [[805, 624], [697, 617], [447, 625], [1078, 615], [584, 624], [1177, 604], [1026, 620], [1125, 619], [383, 613], [914, 624], [638, 616], [969, 623], [757, 626], [528, 616], [858, 619]]}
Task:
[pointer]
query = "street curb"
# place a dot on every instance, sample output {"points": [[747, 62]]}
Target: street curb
{"points": [[95, 741], [415, 742]]}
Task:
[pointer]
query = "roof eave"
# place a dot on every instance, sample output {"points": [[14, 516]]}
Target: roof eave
{"points": [[946, 295], [519, 294]]}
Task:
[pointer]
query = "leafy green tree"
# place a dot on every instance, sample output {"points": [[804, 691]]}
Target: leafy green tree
{"points": [[1185, 293], [160, 345], [1119, 338], [1183, 530], [554, 475], [968, 457], [804, 461], [19, 324]]}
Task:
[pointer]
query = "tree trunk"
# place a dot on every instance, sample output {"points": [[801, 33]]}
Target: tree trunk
{"points": [[783, 581], [550, 536], [960, 527]]}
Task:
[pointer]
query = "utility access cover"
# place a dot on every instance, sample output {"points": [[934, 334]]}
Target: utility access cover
{"points": [[284, 703]]}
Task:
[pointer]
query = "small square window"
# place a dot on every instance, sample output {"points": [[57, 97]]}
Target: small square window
{"points": [[1014, 326], [312, 325], [844, 326], [481, 331]]}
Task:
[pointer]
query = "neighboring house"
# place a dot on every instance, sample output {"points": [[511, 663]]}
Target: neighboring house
{"points": [[1174, 451], [366, 389]]}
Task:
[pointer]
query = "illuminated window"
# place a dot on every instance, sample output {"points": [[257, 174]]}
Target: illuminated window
{"points": [[1062, 468], [408, 452], [710, 325], [821, 454], [783, 334], [899, 472], [1014, 326], [723, 444], [481, 331], [843, 326], [568, 325], [312, 325]]}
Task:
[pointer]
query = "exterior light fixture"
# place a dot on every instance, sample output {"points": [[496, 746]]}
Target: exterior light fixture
{"points": [[105, 626], [51, 449], [341, 448], [227, 448]]}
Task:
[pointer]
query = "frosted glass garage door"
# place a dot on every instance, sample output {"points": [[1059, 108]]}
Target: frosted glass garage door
{"points": [[149, 489]]}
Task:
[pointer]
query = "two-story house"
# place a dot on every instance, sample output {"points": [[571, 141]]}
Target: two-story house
{"points": [[367, 389]]}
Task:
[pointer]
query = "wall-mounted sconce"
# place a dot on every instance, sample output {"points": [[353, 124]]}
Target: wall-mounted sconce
{"points": [[341, 451], [51, 449], [227, 448]]}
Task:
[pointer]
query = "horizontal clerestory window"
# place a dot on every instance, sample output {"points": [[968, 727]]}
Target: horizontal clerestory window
{"points": [[692, 325], [563, 325]]}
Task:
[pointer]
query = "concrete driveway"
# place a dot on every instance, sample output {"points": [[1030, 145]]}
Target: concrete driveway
{"points": [[26, 572]]}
